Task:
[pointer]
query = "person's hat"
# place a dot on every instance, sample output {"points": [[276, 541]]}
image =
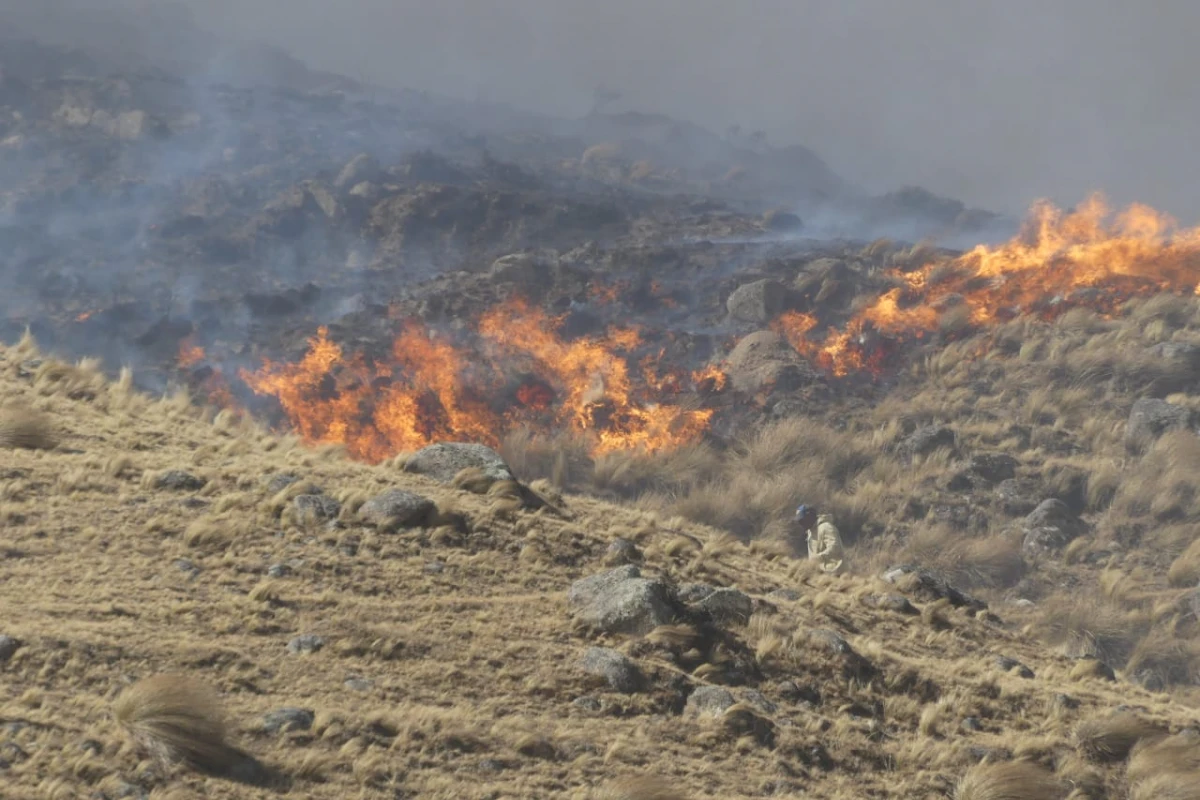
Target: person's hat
{"points": [[803, 510]]}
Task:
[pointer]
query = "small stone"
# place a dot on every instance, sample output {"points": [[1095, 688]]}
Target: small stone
{"points": [[397, 508], [91, 746], [694, 592], [358, 684], [972, 725], [187, 565], [586, 703], [8, 648], [278, 571], [617, 669], [288, 719], [434, 568], [791, 595], [312, 509], [727, 606], [709, 701], [1065, 702], [928, 439], [491, 765], [305, 644], [993, 467], [759, 700], [178, 480], [896, 603], [796, 693]]}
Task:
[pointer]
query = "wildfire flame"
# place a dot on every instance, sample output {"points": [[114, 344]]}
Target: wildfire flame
{"points": [[1059, 260], [431, 389], [190, 354]]}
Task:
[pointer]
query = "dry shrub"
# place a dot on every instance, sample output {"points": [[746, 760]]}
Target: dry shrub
{"points": [[175, 719], [633, 473], [1169, 754], [22, 427], [1168, 786], [1166, 485], [1090, 626], [83, 381], [1109, 739], [1162, 660], [562, 459], [1185, 569], [644, 788], [1015, 780], [988, 562]]}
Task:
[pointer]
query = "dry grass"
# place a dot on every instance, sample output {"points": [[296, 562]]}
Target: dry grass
{"points": [[1110, 738], [175, 719], [21, 426], [1011, 781]]}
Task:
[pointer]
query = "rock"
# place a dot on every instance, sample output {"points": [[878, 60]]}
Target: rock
{"points": [[363, 167], [280, 481], [1150, 418], [313, 509], [188, 566], [925, 440], [782, 221], [1017, 496], [1005, 664], [759, 301], [523, 270], [727, 606], [397, 508], [8, 648], [711, 701], [795, 693], [305, 644], [587, 703], [1050, 527], [1065, 702], [288, 719], [758, 700], [445, 460], [178, 480], [621, 601], [896, 603], [765, 359], [971, 725], [357, 684], [791, 595], [278, 571], [434, 568], [620, 673], [993, 467], [830, 641], [929, 588], [622, 551]]}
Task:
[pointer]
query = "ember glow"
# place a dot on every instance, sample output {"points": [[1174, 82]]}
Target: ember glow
{"points": [[1060, 260], [190, 354], [517, 370]]}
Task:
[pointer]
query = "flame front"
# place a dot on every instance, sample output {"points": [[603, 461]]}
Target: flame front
{"points": [[431, 389], [1088, 257]]}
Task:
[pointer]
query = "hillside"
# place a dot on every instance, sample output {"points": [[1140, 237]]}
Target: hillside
{"points": [[150, 537]]}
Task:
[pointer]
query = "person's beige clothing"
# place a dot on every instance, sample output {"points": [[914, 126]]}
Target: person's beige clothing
{"points": [[825, 545]]}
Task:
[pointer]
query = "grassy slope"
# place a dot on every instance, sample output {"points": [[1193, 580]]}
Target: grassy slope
{"points": [[471, 668]]}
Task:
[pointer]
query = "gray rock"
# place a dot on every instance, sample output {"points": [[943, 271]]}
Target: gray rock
{"points": [[759, 301], [586, 703], [312, 509], [288, 719], [1005, 664], [622, 551], [1150, 418], [929, 588], [358, 684], [188, 566], [727, 606], [971, 725], [305, 643], [434, 568], [1018, 496], [521, 269], [621, 601], [280, 481], [397, 508], [896, 603], [1050, 527], [710, 701], [178, 480], [926, 440], [757, 699], [1065, 702], [795, 693], [8, 648], [278, 571], [782, 221], [993, 467], [363, 167], [445, 460], [791, 595], [615, 668], [830, 641]]}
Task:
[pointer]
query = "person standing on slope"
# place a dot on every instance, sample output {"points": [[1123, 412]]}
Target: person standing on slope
{"points": [[824, 540]]}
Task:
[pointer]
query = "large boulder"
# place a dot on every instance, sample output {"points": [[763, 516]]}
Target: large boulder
{"points": [[445, 460], [621, 601], [617, 670], [928, 588], [926, 440], [765, 359], [759, 301], [1050, 527], [1150, 418], [397, 508]]}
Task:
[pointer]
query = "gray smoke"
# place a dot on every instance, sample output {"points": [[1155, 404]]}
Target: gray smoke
{"points": [[994, 102]]}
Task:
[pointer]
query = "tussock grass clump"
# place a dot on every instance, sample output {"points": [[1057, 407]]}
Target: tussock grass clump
{"points": [[1016, 780], [1169, 754], [1091, 627], [985, 562], [175, 719], [1168, 786], [645, 788], [1109, 739], [1185, 569], [27, 429], [1166, 484]]}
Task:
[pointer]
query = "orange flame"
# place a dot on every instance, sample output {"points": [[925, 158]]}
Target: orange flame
{"points": [[1043, 270], [83, 317], [190, 354], [431, 390]]}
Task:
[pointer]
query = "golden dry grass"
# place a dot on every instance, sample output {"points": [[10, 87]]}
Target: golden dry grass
{"points": [[22, 427], [1011, 781], [446, 669], [176, 719]]}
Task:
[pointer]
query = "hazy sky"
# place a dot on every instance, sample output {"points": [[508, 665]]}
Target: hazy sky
{"points": [[992, 101]]}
